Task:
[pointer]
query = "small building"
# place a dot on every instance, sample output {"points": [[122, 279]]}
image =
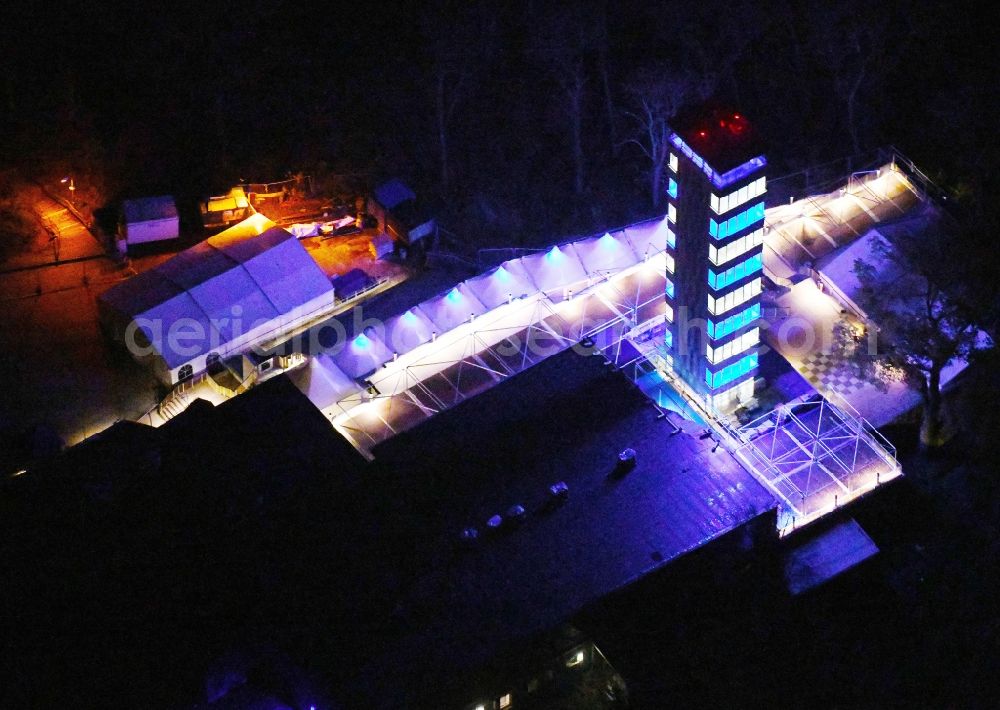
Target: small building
{"points": [[225, 210], [400, 214], [148, 219]]}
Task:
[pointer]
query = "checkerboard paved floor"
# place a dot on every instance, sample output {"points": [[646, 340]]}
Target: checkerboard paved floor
{"points": [[828, 372]]}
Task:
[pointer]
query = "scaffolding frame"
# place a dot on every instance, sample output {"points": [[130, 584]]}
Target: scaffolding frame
{"points": [[815, 455]]}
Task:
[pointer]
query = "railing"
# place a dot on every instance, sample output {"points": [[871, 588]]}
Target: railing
{"points": [[487, 258], [359, 294], [451, 257], [828, 176]]}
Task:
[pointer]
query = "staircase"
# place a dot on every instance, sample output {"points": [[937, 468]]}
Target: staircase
{"points": [[174, 403]]}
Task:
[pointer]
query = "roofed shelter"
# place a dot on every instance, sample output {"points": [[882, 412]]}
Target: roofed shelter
{"points": [[245, 285], [149, 219]]}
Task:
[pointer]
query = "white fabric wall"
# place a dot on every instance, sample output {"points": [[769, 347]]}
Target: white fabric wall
{"points": [[151, 231], [555, 270], [324, 383], [496, 287], [610, 252], [452, 308]]}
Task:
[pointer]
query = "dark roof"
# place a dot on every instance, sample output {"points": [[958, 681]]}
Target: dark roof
{"points": [[412, 214], [349, 283], [720, 134], [564, 419], [147, 209], [392, 193], [257, 518]]}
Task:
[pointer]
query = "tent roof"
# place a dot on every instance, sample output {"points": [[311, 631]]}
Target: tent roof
{"points": [[453, 308], [323, 382], [609, 252], [557, 268], [648, 238], [406, 331], [362, 354], [146, 209], [495, 287], [251, 273]]}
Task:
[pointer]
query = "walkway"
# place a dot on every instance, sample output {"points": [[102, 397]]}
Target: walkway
{"points": [[65, 239]]}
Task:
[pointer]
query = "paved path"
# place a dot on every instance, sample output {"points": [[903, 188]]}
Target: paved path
{"points": [[65, 239]]}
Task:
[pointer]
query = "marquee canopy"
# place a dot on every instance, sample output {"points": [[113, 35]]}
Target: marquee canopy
{"points": [[251, 278], [492, 326]]}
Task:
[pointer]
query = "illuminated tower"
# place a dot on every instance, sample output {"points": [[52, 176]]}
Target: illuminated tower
{"points": [[716, 201]]}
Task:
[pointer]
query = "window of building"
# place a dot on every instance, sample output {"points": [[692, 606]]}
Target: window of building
{"points": [[671, 213], [671, 238], [734, 298], [749, 216], [731, 372], [733, 274], [185, 373], [670, 263], [672, 188], [734, 199], [733, 347], [673, 162], [720, 255], [733, 323], [669, 290], [739, 393], [505, 701]]}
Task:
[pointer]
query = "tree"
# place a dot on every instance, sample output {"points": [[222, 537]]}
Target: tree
{"points": [[462, 43], [562, 38], [860, 48], [603, 41], [657, 97], [923, 324], [18, 221]]}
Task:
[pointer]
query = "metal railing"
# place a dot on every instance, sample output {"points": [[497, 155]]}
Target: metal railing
{"points": [[828, 176]]}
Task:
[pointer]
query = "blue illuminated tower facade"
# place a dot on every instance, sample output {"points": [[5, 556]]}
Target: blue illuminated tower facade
{"points": [[716, 187]]}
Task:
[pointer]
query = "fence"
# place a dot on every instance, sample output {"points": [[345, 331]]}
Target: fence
{"points": [[826, 177]]}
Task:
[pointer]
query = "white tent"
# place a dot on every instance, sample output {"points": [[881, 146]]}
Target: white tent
{"points": [[453, 308], [494, 325], [604, 254], [407, 331], [324, 383], [362, 355], [507, 281], [555, 270], [648, 238], [244, 286]]}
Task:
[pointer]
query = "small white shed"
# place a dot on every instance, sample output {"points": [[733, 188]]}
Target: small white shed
{"points": [[149, 219]]}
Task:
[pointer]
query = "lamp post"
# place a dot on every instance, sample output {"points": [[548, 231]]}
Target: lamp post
{"points": [[71, 186]]}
